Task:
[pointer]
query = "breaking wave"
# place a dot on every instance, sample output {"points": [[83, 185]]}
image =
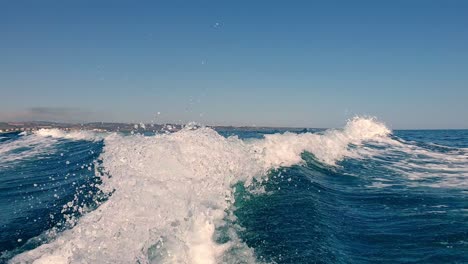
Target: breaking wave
{"points": [[169, 195]]}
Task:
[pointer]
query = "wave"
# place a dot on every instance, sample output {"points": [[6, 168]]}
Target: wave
{"points": [[39, 144], [331, 146], [421, 165], [171, 193], [74, 135], [23, 148]]}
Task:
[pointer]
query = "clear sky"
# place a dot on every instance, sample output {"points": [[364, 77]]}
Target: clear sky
{"points": [[277, 63]]}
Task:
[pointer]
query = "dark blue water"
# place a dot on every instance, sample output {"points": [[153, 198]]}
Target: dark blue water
{"points": [[34, 189], [405, 203]]}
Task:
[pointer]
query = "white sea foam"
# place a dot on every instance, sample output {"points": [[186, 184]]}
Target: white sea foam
{"points": [[285, 149], [25, 147], [172, 192], [422, 166], [39, 142], [73, 135]]}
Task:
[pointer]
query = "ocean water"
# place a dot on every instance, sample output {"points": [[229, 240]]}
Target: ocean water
{"points": [[360, 194]]}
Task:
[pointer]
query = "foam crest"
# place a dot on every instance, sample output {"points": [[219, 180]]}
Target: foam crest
{"points": [[331, 146], [73, 135], [172, 192]]}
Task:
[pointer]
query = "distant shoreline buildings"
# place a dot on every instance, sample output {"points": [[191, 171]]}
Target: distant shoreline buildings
{"points": [[7, 127]]}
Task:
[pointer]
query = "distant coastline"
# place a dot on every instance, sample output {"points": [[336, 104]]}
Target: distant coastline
{"points": [[8, 127]]}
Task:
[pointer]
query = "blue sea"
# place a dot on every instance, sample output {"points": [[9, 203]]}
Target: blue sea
{"points": [[359, 194]]}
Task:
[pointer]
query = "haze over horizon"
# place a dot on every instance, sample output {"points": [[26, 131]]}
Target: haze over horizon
{"points": [[266, 63]]}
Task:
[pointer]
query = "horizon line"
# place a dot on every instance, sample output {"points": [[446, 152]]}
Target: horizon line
{"points": [[205, 125]]}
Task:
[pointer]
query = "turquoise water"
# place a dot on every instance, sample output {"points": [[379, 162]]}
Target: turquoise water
{"points": [[400, 197]]}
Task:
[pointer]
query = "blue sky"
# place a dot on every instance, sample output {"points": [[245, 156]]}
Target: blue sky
{"points": [[275, 63]]}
